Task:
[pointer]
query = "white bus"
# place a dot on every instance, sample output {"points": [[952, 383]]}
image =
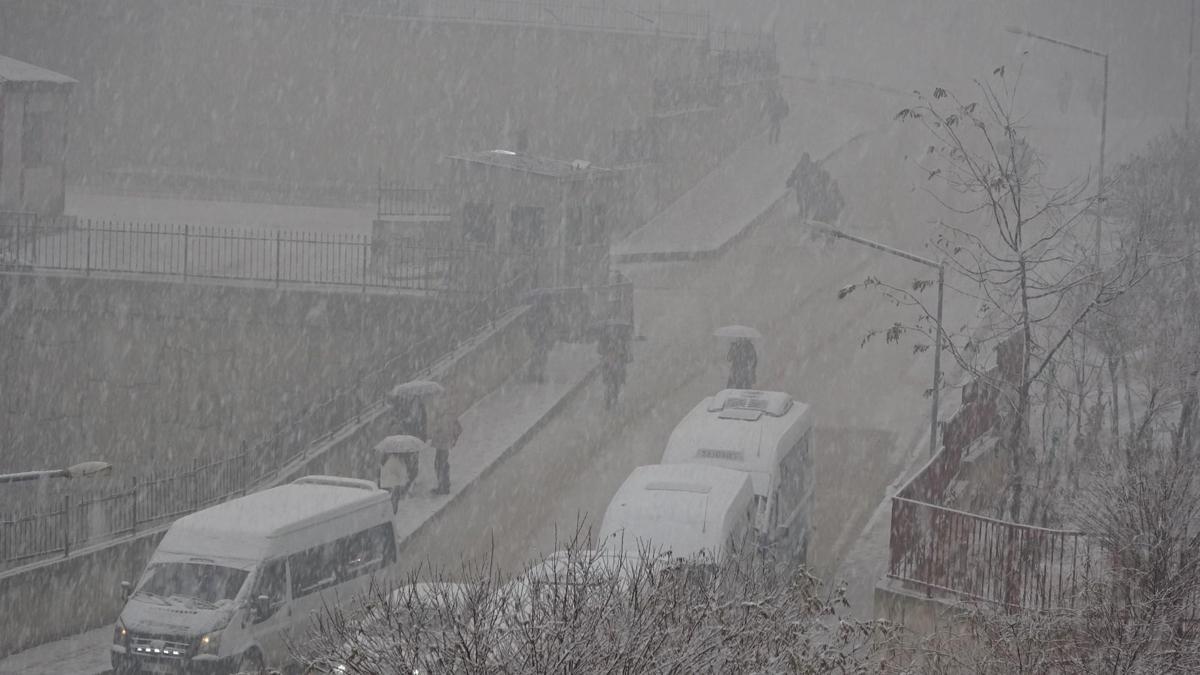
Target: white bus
{"points": [[767, 435], [229, 586], [683, 511]]}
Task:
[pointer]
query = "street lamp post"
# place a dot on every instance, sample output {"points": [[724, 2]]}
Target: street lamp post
{"points": [[937, 343], [1187, 99], [1103, 119], [81, 470]]}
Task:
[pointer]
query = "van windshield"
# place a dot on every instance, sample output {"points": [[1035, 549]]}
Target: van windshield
{"points": [[206, 583]]}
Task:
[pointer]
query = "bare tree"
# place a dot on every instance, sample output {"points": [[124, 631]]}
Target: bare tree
{"points": [[596, 612], [1011, 243]]}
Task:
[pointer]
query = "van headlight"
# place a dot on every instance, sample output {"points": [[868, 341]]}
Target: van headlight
{"points": [[119, 633], [209, 643]]}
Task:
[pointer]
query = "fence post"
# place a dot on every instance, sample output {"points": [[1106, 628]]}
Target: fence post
{"points": [[366, 246], [244, 472], [185, 252], [379, 195], [66, 521], [278, 248], [133, 510], [88, 253], [195, 483]]}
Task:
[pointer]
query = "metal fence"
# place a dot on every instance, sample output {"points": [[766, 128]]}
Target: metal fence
{"points": [[158, 498], [521, 12], [400, 200], [943, 550], [276, 257]]}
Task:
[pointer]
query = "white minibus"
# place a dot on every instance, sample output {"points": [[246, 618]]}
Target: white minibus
{"points": [[680, 510], [228, 587], [767, 435]]}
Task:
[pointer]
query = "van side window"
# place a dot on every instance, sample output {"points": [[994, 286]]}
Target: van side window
{"points": [[793, 477], [314, 569], [271, 582], [351, 556], [369, 550]]}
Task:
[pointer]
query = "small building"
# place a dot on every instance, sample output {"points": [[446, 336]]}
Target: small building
{"points": [[556, 211], [33, 137]]}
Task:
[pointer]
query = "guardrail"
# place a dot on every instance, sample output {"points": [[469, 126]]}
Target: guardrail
{"points": [[276, 257]]}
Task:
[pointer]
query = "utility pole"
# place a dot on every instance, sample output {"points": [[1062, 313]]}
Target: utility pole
{"points": [[1103, 119], [937, 342], [1187, 102]]}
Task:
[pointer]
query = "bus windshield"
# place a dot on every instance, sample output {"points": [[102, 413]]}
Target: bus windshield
{"points": [[206, 583]]}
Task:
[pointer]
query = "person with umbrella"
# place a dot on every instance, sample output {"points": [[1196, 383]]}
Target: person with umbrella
{"points": [[409, 418], [742, 357], [397, 459]]}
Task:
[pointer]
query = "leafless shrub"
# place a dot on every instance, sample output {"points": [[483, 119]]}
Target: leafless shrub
{"points": [[583, 611]]}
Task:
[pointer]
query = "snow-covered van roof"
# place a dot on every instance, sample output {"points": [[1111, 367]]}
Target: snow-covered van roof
{"points": [[681, 508], [741, 429], [252, 527]]}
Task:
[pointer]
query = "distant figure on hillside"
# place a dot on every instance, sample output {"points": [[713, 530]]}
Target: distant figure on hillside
{"points": [[743, 362], [539, 324], [615, 354], [801, 180], [777, 110]]}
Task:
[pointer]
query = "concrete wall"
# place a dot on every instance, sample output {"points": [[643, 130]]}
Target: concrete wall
{"points": [[156, 374], [91, 577], [309, 96]]}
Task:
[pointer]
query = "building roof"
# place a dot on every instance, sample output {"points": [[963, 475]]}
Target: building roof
{"points": [[542, 166], [12, 70]]}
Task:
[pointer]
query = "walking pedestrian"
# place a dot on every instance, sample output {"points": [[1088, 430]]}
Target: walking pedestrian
{"points": [[614, 351], [410, 420], [777, 110], [539, 324], [743, 362], [392, 471], [444, 433], [801, 180]]}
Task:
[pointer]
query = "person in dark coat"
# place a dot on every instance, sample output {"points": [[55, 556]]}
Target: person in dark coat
{"points": [[540, 327], [743, 361], [613, 348], [410, 420], [801, 180], [777, 110]]}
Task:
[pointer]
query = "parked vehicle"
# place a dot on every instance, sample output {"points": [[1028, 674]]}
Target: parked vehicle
{"points": [[768, 436], [682, 511], [228, 586]]}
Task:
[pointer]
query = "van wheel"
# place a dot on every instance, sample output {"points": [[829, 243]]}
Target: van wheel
{"points": [[251, 662]]}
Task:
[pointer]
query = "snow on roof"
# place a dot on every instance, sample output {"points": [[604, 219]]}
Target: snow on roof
{"points": [[542, 166], [740, 429], [12, 70], [243, 527], [683, 508]]}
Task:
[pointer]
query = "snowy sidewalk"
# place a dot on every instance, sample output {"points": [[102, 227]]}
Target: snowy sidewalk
{"points": [[497, 425], [705, 220]]}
